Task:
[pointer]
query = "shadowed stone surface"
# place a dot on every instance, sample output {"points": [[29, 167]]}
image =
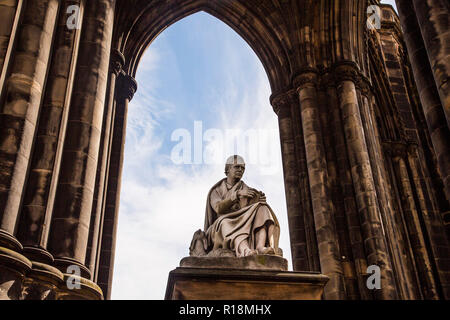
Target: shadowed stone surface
{"points": [[257, 262], [222, 284]]}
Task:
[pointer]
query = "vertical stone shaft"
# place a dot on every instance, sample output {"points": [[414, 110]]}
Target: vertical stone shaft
{"points": [[346, 256], [438, 246], [347, 193], [320, 194], [305, 193], [428, 93], [433, 17], [73, 202], [394, 227], [9, 14], [366, 198], [282, 107], [39, 195], [117, 61], [126, 87], [422, 259], [20, 103]]}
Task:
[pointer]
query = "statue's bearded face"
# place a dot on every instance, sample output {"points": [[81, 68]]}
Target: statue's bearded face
{"points": [[236, 171]]}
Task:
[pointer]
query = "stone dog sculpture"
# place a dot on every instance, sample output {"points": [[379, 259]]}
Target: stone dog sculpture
{"points": [[238, 221]]}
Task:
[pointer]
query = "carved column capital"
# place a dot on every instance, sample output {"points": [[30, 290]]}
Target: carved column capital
{"points": [[281, 102], [126, 86], [308, 77], [117, 61], [396, 149], [364, 85], [327, 80], [346, 71], [412, 148]]}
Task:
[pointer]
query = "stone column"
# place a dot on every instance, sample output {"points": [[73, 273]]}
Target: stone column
{"points": [[20, 104], [415, 231], [42, 282], [393, 224], [346, 257], [361, 171], [44, 168], [13, 267], [320, 194], [346, 192], [37, 207], [282, 106], [22, 84], [433, 17], [433, 229], [433, 108], [126, 87], [305, 193], [73, 201], [9, 16], [116, 64]]}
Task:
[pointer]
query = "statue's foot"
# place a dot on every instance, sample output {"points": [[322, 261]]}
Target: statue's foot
{"points": [[266, 250], [249, 252]]}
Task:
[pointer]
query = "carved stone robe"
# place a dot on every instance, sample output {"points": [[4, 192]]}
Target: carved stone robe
{"points": [[229, 220]]}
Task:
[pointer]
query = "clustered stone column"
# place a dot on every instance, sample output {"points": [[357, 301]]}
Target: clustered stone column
{"points": [[73, 201], [322, 204], [353, 258], [49, 214], [363, 181], [21, 95], [344, 156], [125, 89], [282, 105], [399, 154], [426, 36], [98, 208]]}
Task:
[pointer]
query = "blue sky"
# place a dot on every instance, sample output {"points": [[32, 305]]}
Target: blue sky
{"points": [[199, 78]]}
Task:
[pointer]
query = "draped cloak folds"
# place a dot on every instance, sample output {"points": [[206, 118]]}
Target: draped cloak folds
{"points": [[229, 220]]}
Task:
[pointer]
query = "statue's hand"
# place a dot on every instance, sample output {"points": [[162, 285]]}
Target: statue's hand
{"points": [[247, 193]]}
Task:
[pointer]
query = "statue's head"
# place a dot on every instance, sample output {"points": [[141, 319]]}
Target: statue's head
{"points": [[235, 167]]}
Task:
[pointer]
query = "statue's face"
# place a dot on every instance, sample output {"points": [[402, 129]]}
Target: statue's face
{"points": [[236, 171]]}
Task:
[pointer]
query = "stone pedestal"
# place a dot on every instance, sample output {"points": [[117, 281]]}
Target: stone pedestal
{"points": [[264, 278]]}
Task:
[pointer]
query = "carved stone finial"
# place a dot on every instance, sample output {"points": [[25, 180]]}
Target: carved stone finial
{"points": [[396, 149], [126, 86], [346, 71], [117, 61], [282, 102], [308, 77]]}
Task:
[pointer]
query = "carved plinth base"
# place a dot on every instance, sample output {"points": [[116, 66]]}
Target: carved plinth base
{"points": [[13, 267], [88, 290], [256, 262], [231, 284]]}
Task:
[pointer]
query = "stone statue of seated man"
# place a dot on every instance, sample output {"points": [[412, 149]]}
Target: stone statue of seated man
{"points": [[237, 220]]}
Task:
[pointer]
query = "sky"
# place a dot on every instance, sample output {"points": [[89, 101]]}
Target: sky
{"points": [[391, 2], [202, 95]]}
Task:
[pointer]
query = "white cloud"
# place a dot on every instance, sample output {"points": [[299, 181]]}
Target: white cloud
{"points": [[391, 2]]}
